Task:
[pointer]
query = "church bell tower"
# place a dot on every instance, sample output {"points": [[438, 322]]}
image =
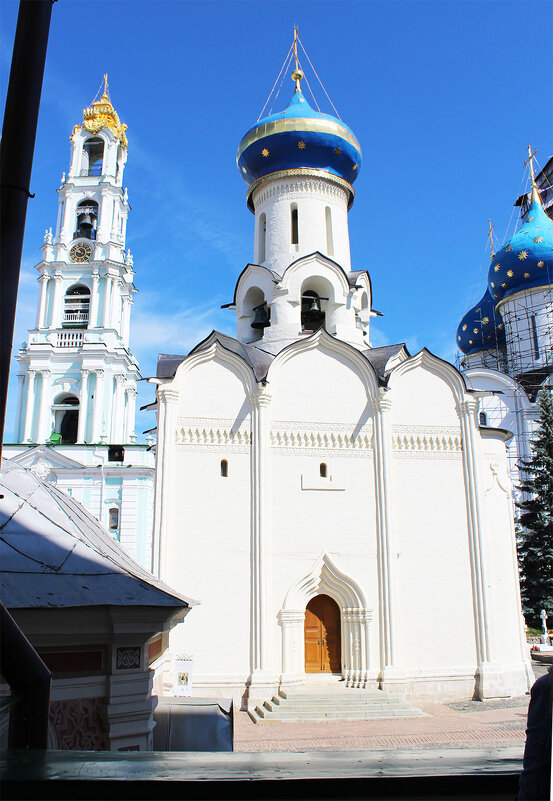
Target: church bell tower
{"points": [[77, 375]]}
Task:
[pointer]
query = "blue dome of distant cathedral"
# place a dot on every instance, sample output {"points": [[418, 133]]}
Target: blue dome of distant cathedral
{"points": [[481, 328], [299, 138], [526, 261]]}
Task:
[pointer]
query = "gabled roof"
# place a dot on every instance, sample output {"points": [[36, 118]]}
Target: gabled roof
{"points": [[54, 554], [43, 454], [259, 360], [379, 358]]}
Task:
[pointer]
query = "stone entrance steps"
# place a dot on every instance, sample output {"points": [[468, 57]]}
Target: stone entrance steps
{"points": [[332, 703]]}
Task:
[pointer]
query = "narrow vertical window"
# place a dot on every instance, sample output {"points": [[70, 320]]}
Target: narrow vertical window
{"points": [[322, 470], [329, 239], [262, 238], [114, 519], [535, 336], [224, 468], [483, 419], [294, 224]]}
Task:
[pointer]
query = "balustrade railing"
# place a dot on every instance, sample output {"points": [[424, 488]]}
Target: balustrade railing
{"points": [[70, 339]]}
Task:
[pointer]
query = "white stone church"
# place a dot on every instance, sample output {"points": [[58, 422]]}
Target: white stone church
{"points": [[336, 508]]}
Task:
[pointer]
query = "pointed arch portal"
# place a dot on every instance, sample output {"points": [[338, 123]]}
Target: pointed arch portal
{"points": [[325, 604]]}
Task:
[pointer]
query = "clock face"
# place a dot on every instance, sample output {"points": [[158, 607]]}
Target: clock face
{"points": [[80, 252]]}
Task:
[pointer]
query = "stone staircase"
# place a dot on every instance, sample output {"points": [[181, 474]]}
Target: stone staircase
{"points": [[332, 703]]}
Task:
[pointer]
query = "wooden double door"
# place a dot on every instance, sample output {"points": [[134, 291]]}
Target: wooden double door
{"points": [[322, 636]]}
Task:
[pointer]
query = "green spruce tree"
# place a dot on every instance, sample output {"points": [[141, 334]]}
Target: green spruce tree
{"points": [[535, 531]]}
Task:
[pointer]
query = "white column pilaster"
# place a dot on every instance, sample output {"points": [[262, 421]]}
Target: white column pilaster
{"points": [[45, 415], [107, 301], [115, 321], [18, 433], [98, 406], [131, 411], [83, 407], [467, 410], [260, 539], [29, 406], [164, 475], [40, 321], [55, 322], [383, 467], [117, 411], [93, 318]]}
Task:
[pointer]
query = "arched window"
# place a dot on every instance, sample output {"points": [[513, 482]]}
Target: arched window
{"points": [[93, 156], [76, 307], [113, 519], [323, 470], [483, 419], [294, 235], [312, 314], [224, 468], [87, 220], [66, 418], [329, 238], [262, 238]]}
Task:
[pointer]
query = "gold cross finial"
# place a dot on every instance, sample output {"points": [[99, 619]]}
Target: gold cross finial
{"points": [[530, 162], [297, 75], [490, 237]]}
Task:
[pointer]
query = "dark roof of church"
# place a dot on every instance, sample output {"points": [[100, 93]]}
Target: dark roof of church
{"points": [[260, 361], [379, 358]]}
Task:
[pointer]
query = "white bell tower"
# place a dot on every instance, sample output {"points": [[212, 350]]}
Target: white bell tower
{"points": [[77, 375]]}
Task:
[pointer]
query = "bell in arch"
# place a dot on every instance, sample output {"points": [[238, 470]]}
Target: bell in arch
{"points": [[315, 306], [261, 318]]}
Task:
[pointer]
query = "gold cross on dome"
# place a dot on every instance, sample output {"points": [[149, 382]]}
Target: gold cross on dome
{"points": [[530, 162], [490, 237]]}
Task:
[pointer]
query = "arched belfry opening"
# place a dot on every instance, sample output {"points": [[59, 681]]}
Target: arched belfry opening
{"points": [[93, 156], [312, 312], [322, 636], [66, 418], [87, 220], [76, 309]]}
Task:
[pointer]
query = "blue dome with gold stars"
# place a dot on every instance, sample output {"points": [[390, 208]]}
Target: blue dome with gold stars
{"points": [[526, 261], [299, 138], [481, 328]]}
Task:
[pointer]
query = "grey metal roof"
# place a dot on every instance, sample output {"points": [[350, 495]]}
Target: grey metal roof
{"points": [[259, 360], [379, 357], [54, 553]]}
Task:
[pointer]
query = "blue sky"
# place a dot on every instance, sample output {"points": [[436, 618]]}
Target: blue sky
{"points": [[443, 96]]}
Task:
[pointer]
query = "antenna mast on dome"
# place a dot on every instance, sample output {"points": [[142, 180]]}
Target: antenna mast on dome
{"points": [[490, 237]]}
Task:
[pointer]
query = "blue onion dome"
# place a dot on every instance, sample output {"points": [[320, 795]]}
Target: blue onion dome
{"points": [[526, 261], [481, 328], [299, 138]]}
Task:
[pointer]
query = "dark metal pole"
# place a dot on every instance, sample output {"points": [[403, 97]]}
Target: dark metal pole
{"points": [[16, 160], [30, 680]]}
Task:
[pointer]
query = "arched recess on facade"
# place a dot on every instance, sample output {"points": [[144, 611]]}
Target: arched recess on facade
{"points": [[65, 411], [325, 578]]}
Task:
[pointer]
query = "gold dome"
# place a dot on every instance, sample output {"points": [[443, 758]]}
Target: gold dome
{"points": [[101, 114]]}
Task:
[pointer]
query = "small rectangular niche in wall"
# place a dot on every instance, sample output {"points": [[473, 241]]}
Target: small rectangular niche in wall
{"points": [[321, 479]]}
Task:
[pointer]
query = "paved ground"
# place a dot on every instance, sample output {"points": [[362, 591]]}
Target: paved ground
{"points": [[467, 724]]}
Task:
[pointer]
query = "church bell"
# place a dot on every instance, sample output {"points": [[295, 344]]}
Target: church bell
{"points": [[261, 319]]}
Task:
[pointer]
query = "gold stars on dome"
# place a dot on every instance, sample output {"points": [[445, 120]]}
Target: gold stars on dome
{"points": [[493, 285], [471, 342], [496, 267], [264, 152], [465, 327], [527, 275], [523, 255], [244, 170], [503, 285], [475, 330], [354, 167], [541, 263], [459, 339], [510, 273], [508, 248], [337, 150], [101, 114], [301, 144], [538, 239], [485, 320]]}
